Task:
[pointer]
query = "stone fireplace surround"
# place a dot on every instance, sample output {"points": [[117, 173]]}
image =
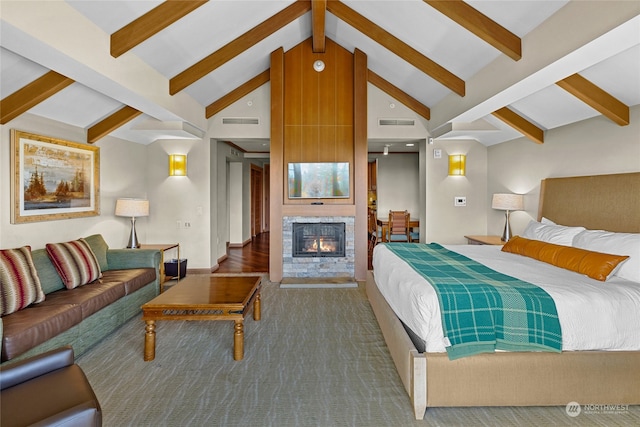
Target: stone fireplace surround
{"points": [[318, 267]]}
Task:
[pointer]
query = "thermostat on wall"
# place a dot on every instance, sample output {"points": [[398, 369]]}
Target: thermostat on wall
{"points": [[460, 201]]}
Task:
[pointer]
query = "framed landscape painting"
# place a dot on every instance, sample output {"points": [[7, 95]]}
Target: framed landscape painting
{"points": [[53, 179]]}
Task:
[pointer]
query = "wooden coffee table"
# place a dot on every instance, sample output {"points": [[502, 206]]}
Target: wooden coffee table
{"points": [[204, 298]]}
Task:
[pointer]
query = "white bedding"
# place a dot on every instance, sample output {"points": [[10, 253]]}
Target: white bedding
{"points": [[593, 315]]}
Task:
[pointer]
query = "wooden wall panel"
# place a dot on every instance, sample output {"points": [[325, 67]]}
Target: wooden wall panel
{"points": [[322, 117], [318, 108], [276, 169], [343, 149], [360, 155], [293, 87], [344, 87]]}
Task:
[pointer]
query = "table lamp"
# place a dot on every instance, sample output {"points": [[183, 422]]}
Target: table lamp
{"points": [[507, 202], [132, 208]]}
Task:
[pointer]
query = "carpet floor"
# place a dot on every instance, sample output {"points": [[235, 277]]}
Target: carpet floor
{"points": [[317, 358]]}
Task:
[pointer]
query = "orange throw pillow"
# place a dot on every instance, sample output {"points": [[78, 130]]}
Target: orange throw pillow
{"points": [[596, 265]]}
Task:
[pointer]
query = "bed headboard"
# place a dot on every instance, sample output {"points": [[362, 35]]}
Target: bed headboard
{"points": [[598, 202]]}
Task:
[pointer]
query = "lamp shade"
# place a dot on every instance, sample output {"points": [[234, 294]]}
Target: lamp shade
{"points": [[457, 165], [132, 207], [177, 165], [507, 202]]}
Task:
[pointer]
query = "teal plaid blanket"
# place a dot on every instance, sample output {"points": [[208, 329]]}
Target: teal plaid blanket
{"points": [[483, 310]]}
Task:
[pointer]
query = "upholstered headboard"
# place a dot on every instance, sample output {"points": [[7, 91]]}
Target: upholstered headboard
{"points": [[598, 202]]}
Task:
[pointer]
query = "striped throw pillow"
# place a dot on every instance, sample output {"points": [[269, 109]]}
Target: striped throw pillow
{"points": [[19, 281], [75, 262]]}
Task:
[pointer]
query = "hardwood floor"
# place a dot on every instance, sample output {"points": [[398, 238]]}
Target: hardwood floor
{"points": [[251, 258]]}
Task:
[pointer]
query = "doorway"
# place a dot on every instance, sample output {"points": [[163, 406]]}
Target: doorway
{"points": [[257, 190]]}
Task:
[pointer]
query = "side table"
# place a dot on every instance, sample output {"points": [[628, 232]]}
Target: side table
{"points": [[163, 247], [484, 240]]}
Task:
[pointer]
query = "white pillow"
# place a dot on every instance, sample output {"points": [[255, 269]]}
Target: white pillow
{"points": [[551, 233], [614, 243]]}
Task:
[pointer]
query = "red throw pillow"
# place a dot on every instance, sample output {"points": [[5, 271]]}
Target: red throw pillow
{"points": [[19, 281], [75, 262]]}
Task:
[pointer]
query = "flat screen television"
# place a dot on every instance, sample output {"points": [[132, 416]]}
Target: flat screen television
{"points": [[321, 180]]}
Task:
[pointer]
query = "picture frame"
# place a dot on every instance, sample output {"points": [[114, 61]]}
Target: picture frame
{"points": [[53, 179]]}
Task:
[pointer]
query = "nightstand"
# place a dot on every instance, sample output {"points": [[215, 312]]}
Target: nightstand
{"points": [[484, 240], [163, 247]]}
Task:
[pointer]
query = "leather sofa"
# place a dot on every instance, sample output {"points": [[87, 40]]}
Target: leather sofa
{"points": [[82, 316], [47, 390]]}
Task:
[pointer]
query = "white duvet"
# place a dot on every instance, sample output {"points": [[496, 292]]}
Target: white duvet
{"points": [[593, 315]]}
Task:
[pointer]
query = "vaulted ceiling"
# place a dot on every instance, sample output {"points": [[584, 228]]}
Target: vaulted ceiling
{"points": [[491, 71]]}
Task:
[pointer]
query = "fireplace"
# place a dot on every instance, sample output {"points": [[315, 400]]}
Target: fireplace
{"points": [[318, 239]]}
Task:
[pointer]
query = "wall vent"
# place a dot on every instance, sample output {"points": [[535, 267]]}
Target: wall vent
{"points": [[240, 121], [396, 122]]}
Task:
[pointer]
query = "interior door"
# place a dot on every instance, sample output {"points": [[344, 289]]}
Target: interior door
{"points": [[256, 200], [267, 198]]}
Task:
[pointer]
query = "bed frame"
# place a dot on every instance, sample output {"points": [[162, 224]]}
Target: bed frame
{"points": [[610, 202]]}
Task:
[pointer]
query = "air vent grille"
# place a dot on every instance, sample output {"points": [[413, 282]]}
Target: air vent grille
{"points": [[240, 121], [396, 122]]}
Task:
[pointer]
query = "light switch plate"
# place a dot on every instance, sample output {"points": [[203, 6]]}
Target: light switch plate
{"points": [[437, 153], [460, 201]]}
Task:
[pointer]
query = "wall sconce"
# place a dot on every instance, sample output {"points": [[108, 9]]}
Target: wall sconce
{"points": [[385, 151], [507, 202], [132, 208], [177, 165], [457, 165]]}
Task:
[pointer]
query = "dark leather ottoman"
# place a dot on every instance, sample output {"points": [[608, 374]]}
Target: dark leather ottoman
{"points": [[47, 390]]}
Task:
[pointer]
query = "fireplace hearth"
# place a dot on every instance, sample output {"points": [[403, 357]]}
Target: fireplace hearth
{"points": [[318, 239]]}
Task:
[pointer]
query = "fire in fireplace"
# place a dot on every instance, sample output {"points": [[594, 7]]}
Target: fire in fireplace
{"points": [[319, 239]]}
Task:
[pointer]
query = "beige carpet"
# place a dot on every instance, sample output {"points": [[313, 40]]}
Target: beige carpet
{"points": [[317, 358]]}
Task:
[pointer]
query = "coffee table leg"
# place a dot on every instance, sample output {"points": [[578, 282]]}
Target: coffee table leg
{"points": [[150, 340], [256, 308], [238, 341]]}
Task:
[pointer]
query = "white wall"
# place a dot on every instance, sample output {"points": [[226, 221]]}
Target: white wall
{"points": [[398, 184], [256, 104], [123, 172], [383, 106], [446, 223], [180, 198], [593, 147]]}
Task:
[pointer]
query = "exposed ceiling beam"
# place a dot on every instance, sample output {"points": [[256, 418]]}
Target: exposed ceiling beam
{"points": [[152, 22], [237, 93], [111, 123], [237, 46], [397, 46], [398, 94], [520, 124], [318, 17], [596, 98], [31, 95], [480, 25]]}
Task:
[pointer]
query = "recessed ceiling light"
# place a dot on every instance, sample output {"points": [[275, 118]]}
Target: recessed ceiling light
{"points": [[318, 65]]}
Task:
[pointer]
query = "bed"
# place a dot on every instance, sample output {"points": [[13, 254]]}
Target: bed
{"points": [[504, 378]]}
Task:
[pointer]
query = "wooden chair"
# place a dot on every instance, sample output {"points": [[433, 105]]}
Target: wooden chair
{"points": [[399, 230], [373, 241], [374, 230]]}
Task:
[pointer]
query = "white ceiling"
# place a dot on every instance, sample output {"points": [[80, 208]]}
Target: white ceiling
{"points": [[612, 65]]}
